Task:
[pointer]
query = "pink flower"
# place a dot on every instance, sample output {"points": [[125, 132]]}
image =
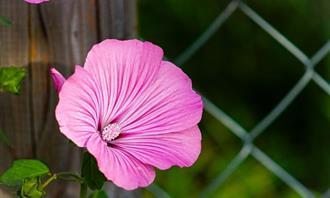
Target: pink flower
{"points": [[131, 110], [35, 1]]}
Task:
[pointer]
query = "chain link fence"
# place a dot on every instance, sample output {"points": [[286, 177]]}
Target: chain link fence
{"points": [[247, 137]]}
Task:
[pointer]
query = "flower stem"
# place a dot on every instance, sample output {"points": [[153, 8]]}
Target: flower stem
{"points": [[65, 176], [83, 190], [48, 181], [70, 175]]}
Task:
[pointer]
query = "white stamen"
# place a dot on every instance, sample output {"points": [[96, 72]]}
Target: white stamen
{"points": [[110, 132]]}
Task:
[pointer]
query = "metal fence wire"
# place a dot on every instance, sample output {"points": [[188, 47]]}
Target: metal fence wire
{"points": [[248, 137]]}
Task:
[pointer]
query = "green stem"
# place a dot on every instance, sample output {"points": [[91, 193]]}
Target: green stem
{"points": [[69, 175], [48, 181], [83, 190], [64, 176]]}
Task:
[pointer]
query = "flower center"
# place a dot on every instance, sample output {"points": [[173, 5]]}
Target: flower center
{"points": [[110, 132]]}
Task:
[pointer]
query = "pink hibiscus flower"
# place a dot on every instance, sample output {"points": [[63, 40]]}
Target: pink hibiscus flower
{"points": [[35, 1], [131, 110]]}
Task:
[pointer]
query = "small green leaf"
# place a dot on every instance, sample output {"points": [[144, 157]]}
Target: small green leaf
{"points": [[98, 194], [11, 79], [90, 172], [5, 22], [31, 189], [4, 138], [21, 170]]}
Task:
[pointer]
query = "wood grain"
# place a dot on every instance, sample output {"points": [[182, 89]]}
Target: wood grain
{"points": [[59, 34]]}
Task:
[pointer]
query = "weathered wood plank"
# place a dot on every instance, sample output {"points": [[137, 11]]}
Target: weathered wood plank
{"points": [[59, 34], [117, 19], [14, 110]]}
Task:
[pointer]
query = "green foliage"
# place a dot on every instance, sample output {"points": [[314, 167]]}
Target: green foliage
{"points": [[246, 73], [90, 172], [4, 138], [11, 79], [22, 170], [31, 188], [98, 194], [5, 22]]}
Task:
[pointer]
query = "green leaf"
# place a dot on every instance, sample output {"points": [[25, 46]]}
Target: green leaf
{"points": [[90, 172], [4, 138], [11, 79], [21, 170], [98, 194], [5, 22], [31, 189]]}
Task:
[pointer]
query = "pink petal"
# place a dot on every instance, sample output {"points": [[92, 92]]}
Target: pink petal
{"points": [[120, 167], [163, 150], [168, 105], [122, 69], [77, 110], [35, 1], [58, 79]]}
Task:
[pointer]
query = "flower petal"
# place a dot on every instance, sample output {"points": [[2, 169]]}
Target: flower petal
{"points": [[35, 1], [122, 69], [77, 110], [164, 150], [168, 105], [58, 79], [120, 167]]}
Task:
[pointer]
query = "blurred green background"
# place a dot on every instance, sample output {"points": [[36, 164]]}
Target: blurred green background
{"points": [[245, 72]]}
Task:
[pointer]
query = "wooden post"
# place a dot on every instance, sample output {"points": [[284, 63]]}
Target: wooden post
{"points": [[59, 34]]}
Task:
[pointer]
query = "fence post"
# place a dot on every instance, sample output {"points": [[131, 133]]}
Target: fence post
{"points": [[59, 34]]}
